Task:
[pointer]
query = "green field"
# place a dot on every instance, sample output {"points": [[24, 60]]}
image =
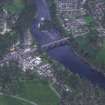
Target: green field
{"points": [[95, 55], [5, 100], [88, 19], [37, 91], [15, 7], [100, 58]]}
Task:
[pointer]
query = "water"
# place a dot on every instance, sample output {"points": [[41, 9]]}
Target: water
{"points": [[64, 54]]}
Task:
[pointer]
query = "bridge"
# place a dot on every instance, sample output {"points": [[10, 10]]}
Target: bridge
{"points": [[56, 43], [20, 53]]}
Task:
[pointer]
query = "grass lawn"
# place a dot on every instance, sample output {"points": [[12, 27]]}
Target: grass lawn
{"points": [[82, 42], [4, 100], [15, 7], [38, 91], [101, 55], [85, 47], [88, 19], [96, 56]]}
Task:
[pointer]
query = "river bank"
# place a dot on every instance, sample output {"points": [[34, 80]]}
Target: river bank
{"points": [[65, 54], [57, 23]]}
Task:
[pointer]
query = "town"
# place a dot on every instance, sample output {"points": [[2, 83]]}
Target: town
{"points": [[52, 52]]}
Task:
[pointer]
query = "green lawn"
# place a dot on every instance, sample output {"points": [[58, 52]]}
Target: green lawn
{"points": [[15, 7], [4, 100], [39, 92], [85, 47], [97, 56], [82, 42], [88, 19], [101, 55]]}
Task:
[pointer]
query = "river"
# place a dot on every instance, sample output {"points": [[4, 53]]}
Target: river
{"points": [[63, 54]]}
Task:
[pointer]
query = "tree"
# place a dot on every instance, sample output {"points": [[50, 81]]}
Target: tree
{"points": [[10, 75]]}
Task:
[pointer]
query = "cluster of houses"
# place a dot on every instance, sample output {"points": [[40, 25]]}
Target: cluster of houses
{"points": [[28, 60], [72, 15], [36, 63], [97, 8]]}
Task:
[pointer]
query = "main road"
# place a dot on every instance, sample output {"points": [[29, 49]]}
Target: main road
{"points": [[63, 54]]}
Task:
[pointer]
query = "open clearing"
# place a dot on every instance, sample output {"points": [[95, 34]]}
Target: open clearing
{"points": [[32, 92]]}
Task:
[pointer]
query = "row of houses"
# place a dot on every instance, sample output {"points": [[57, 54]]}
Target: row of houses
{"points": [[71, 12]]}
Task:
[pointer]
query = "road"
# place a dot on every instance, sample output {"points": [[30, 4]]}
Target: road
{"points": [[17, 55]]}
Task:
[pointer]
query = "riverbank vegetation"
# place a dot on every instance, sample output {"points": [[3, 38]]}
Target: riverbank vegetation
{"points": [[27, 15], [74, 89], [25, 20], [90, 46], [55, 20]]}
